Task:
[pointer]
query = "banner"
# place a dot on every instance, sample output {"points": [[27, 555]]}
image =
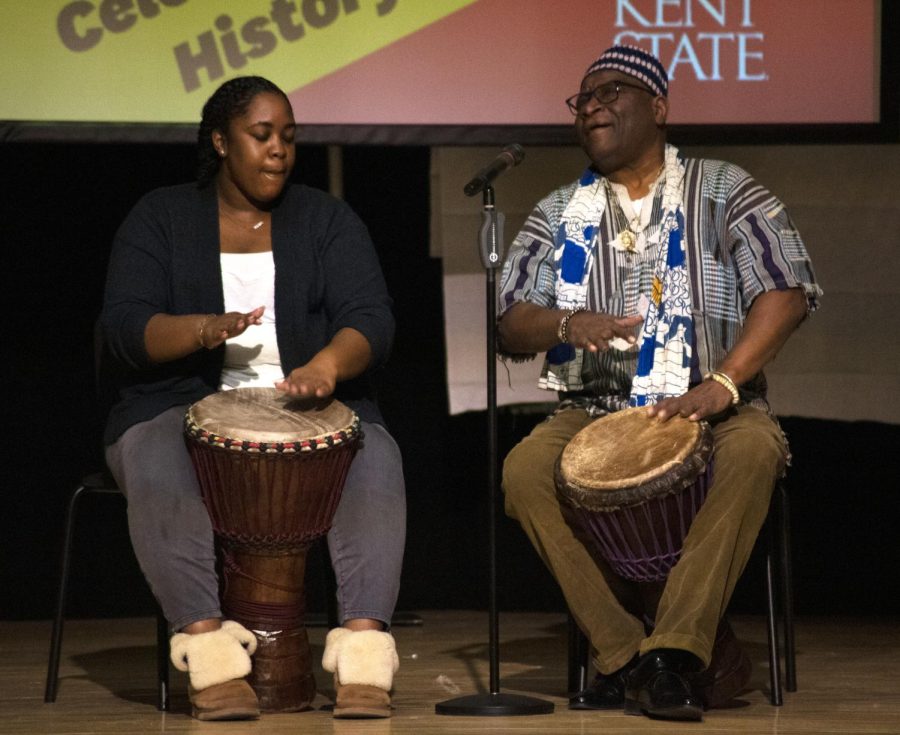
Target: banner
{"points": [[436, 62], [159, 60]]}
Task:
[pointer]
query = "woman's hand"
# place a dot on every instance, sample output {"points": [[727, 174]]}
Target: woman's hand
{"points": [[309, 381], [346, 356], [216, 328], [168, 337]]}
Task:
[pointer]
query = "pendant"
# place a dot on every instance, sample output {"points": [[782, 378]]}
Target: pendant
{"points": [[627, 240]]}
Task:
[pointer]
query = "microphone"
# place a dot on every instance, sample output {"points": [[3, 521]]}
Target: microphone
{"points": [[510, 156]]}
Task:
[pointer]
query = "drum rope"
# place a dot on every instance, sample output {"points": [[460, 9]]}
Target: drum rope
{"points": [[257, 614], [282, 614], [232, 566]]}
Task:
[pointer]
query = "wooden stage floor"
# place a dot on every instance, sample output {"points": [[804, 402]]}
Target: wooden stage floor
{"points": [[848, 676]]}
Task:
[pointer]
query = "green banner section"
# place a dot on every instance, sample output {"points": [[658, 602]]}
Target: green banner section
{"points": [[158, 60]]}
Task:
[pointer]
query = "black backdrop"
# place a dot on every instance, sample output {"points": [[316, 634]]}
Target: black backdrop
{"points": [[61, 203]]}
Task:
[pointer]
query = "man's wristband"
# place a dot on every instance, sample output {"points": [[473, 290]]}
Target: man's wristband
{"points": [[562, 331], [722, 379]]}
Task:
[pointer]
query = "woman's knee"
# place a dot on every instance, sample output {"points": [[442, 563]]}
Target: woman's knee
{"points": [[377, 467]]}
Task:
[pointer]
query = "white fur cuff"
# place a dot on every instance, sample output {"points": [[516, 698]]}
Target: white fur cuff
{"points": [[361, 657], [332, 646], [214, 657]]}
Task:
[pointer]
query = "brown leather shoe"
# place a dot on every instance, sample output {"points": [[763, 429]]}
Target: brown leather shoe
{"points": [[728, 672], [230, 700]]}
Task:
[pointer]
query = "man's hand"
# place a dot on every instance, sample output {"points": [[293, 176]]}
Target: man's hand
{"points": [[593, 331], [707, 399]]}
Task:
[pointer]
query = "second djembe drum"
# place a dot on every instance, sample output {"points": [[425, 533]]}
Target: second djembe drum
{"points": [[634, 484], [271, 470]]}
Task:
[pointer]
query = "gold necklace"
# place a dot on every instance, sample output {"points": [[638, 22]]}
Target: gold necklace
{"points": [[626, 238], [628, 232], [241, 222]]}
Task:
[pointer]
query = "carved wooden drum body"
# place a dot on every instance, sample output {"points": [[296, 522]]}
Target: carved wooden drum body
{"points": [[634, 485], [271, 470]]}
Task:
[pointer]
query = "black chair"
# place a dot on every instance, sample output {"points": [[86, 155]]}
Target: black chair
{"points": [[101, 484], [779, 594]]}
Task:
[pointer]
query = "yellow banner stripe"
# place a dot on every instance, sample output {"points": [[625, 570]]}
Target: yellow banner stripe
{"points": [[158, 60]]}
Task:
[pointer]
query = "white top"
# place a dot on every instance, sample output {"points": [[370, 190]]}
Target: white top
{"points": [[637, 204], [633, 209], [251, 359]]}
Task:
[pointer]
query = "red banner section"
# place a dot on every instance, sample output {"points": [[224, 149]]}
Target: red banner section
{"points": [[512, 62]]}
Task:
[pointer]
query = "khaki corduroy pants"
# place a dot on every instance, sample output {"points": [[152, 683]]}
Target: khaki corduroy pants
{"points": [[750, 454]]}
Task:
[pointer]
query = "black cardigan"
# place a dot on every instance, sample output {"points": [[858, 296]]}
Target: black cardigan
{"points": [[165, 259]]}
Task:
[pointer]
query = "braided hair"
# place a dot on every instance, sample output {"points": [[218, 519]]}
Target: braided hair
{"points": [[229, 101]]}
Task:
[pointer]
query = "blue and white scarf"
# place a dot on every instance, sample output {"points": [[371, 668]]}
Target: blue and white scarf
{"points": [[665, 340]]}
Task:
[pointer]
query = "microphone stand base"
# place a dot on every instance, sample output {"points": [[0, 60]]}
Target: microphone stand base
{"points": [[498, 705]]}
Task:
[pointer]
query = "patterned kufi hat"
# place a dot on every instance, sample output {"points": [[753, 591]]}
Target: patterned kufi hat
{"points": [[634, 61]]}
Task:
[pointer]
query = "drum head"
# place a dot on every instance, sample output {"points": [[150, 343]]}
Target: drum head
{"points": [[251, 416], [624, 457]]}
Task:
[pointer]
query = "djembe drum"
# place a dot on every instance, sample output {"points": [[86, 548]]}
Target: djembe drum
{"points": [[271, 470], [634, 484]]}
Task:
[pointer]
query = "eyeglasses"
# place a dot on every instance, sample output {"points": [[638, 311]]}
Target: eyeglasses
{"points": [[605, 94]]}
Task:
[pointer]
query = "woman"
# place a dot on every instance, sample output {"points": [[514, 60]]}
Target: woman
{"points": [[244, 279]]}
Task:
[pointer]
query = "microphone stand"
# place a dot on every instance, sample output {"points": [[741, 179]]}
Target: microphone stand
{"points": [[493, 703]]}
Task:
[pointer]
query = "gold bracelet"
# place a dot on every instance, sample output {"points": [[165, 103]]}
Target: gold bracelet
{"points": [[562, 331], [723, 379], [202, 327]]}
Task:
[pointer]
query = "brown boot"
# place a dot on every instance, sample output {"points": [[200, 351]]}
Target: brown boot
{"points": [[728, 672], [231, 700], [363, 663], [217, 663]]}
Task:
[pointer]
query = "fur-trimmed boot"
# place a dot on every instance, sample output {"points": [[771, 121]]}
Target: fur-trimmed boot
{"points": [[217, 663], [363, 663]]}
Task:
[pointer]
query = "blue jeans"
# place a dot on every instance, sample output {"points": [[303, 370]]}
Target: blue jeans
{"points": [[172, 535]]}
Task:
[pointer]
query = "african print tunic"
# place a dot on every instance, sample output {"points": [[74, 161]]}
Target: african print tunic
{"points": [[741, 242]]}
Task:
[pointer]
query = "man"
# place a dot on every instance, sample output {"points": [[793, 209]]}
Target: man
{"points": [[663, 282]]}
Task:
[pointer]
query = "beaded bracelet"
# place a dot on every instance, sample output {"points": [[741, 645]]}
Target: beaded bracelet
{"points": [[722, 379], [202, 327], [562, 331]]}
